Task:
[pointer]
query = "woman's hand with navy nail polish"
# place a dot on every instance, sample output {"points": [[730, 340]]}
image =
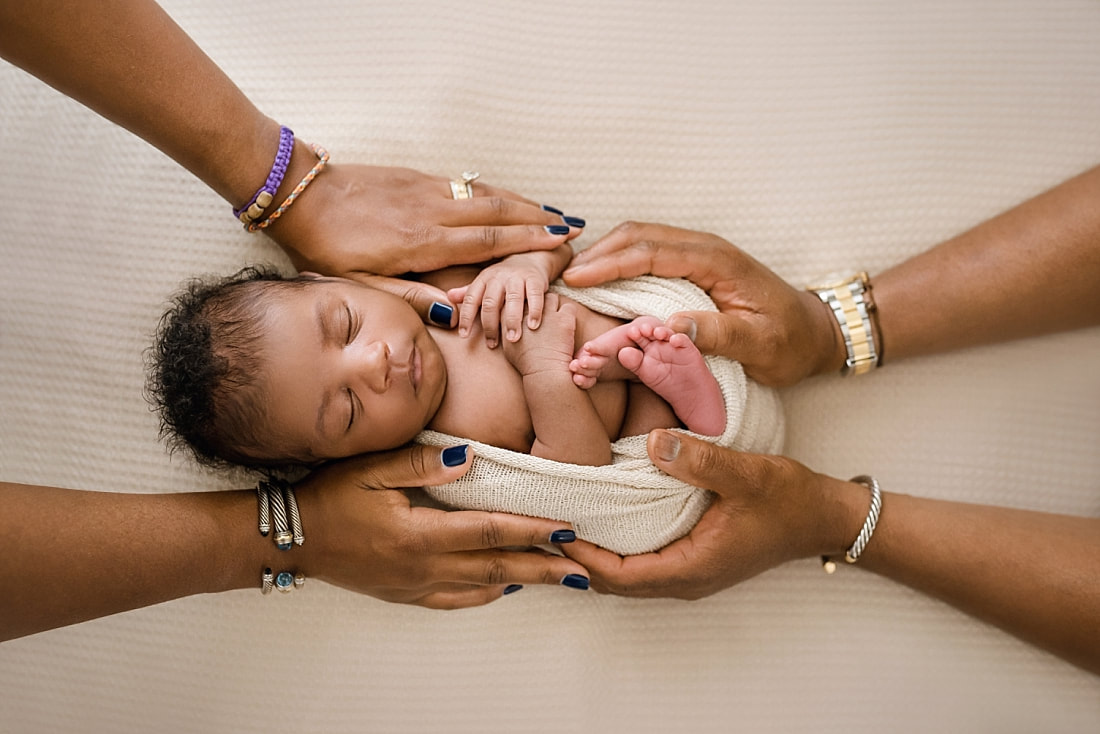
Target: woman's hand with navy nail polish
{"points": [[388, 221], [365, 535]]}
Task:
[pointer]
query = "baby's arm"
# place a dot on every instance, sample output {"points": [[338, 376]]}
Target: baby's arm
{"points": [[664, 361], [566, 425], [501, 290]]}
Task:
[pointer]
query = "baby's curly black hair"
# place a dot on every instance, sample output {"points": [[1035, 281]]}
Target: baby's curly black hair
{"points": [[201, 370]]}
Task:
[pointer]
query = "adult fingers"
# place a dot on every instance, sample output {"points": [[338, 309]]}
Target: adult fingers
{"points": [[722, 470], [431, 303], [495, 567], [496, 207], [470, 530], [714, 333], [461, 599], [634, 248], [412, 466], [487, 242], [668, 572]]}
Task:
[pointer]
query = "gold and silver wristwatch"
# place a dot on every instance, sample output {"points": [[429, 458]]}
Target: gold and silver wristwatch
{"points": [[853, 306]]}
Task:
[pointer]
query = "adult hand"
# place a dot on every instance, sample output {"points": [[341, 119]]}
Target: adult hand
{"points": [[778, 333], [361, 221], [365, 535], [767, 510]]}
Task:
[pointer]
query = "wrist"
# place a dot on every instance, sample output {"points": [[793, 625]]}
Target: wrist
{"points": [[242, 552], [828, 340], [841, 510]]}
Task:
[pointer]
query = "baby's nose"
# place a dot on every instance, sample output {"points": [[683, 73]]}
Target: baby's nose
{"points": [[375, 366]]}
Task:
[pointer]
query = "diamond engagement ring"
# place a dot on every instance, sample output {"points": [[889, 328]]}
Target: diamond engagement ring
{"points": [[461, 188]]}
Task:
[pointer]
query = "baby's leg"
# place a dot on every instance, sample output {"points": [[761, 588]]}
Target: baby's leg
{"points": [[671, 366], [597, 359]]}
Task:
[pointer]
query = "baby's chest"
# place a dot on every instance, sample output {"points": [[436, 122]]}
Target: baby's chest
{"points": [[485, 402]]}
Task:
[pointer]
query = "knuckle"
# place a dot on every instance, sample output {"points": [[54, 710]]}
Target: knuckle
{"points": [[495, 571], [628, 228], [491, 238], [500, 207], [491, 533]]}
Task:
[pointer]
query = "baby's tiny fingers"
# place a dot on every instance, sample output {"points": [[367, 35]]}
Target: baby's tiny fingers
{"points": [[471, 303], [512, 322], [536, 297]]}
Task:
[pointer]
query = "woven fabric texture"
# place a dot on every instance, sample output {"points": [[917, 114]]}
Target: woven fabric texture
{"points": [[628, 506], [820, 137]]}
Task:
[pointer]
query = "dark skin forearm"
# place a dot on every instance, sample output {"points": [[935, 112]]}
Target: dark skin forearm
{"points": [[76, 555], [1033, 574], [1031, 270], [131, 63]]}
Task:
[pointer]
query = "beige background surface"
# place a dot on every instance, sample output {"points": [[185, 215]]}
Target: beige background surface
{"points": [[819, 136]]}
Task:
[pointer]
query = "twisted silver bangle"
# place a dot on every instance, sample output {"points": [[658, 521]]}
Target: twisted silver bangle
{"points": [[265, 509], [278, 516], [292, 509], [868, 529]]}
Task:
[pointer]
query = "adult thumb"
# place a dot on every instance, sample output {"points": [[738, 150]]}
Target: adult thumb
{"points": [[429, 302], [696, 462], [713, 333]]}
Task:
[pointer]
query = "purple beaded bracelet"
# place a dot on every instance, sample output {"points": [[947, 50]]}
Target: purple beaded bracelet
{"points": [[262, 199]]}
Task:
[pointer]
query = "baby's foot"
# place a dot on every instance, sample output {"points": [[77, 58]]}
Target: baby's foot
{"points": [[595, 360], [669, 364]]}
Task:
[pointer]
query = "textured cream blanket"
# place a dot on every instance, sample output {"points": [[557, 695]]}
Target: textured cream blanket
{"points": [[628, 506]]}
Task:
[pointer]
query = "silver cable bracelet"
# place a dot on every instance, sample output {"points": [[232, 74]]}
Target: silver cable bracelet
{"points": [[278, 507], [868, 529], [284, 581]]}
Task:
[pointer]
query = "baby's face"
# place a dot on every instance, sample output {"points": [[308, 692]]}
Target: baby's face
{"points": [[346, 369]]}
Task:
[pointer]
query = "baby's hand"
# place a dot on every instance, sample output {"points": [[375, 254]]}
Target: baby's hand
{"points": [[500, 292], [550, 348]]}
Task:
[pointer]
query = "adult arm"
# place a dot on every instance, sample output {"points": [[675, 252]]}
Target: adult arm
{"points": [[1032, 574], [128, 61], [1031, 270], [74, 555]]}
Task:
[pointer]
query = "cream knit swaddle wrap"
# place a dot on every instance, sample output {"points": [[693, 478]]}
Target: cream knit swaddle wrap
{"points": [[628, 506]]}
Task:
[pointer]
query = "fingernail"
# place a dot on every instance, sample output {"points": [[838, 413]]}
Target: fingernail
{"points": [[666, 446], [513, 335], [552, 210], [556, 229], [455, 455], [441, 313], [512, 588], [686, 325], [575, 581], [562, 536], [574, 222]]}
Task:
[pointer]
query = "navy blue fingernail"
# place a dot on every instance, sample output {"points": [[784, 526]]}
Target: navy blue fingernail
{"points": [[454, 455], [552, 210], [574, 222], [441, 313], [512, 588], [557, 229], [562, 536], [575, 581]]}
